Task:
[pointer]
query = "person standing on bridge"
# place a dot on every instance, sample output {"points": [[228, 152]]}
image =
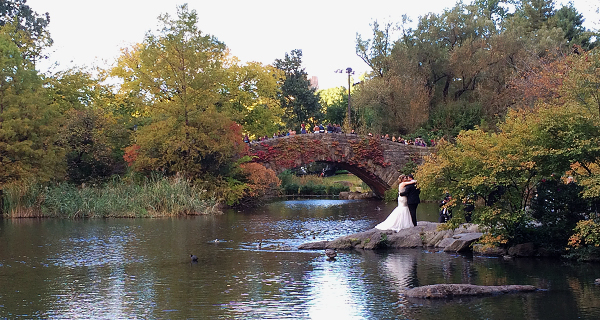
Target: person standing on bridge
{"points": [[412, 198]]}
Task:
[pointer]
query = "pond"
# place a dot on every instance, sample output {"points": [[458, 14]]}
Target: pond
{"points": [[141, 269]]}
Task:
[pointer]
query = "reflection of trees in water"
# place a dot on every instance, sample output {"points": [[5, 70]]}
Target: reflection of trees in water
{"points": [[456, 269], [413, 268], [401, 268]]}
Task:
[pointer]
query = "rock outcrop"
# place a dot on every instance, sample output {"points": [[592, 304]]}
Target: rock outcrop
{"points": [[446, 291], [425, 234]]}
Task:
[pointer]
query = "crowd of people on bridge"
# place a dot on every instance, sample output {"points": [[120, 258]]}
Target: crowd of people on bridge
{"points": [[336, 128]]}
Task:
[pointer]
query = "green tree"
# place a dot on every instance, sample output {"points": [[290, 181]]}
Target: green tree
{"points": [[570, 21], [454, 70], [27, 128], [335, 104], [251, 97], [94, 130], [375, 50], [536, 12], [88, 152], [34, 26], [298, 100]]}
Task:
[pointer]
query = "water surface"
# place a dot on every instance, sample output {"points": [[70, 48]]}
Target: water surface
{"points": [[140, 269]]}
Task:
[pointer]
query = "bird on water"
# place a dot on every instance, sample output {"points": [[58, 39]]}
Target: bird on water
{"points": [[331, 254]]}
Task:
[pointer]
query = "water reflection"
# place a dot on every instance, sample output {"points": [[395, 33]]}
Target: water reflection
{"points": [[129, 269], [334, 293], [400, 269]]}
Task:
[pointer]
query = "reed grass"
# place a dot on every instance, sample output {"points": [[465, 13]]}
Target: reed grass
{"points": [[151, 197]]}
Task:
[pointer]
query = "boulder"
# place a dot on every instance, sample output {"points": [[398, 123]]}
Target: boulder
{"points": [[425, 234], [462, 242], [488, 250], [522, 250], [319, 245], [448, 291]]}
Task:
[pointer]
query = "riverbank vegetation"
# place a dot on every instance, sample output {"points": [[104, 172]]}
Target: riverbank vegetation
{"points": [[314, 185], [119, 197], [537, 173], [510, 89]]}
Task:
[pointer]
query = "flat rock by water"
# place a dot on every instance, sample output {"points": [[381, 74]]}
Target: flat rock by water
{"points": [[425, 234], [446, 291]]}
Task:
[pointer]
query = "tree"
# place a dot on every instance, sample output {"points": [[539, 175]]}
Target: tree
{"points": [[570, 21], [536, 12], [27, 128], [94, 130], [298, 100], [505, 168], [180, 77], [34, 26], [251, 97], [88, 152], [374, 51], [455, 68], [335, 104]]}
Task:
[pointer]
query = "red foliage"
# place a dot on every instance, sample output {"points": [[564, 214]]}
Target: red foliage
{"points": [[131, 154], [261, 180], [287, 153]]}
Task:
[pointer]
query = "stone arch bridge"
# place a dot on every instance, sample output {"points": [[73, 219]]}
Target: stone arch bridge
{"points": [[375, 161]]}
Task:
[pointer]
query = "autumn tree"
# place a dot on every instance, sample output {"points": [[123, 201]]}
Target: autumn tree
{"points": [[298, 100], [464, 59], [551, 131], [180, 76], [261, 183]]}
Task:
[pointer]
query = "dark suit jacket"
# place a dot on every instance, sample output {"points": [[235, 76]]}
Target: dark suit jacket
{"points": [[412, 194]]}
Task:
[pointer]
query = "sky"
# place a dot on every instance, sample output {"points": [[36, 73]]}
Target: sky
{"points": [[90, 33]]}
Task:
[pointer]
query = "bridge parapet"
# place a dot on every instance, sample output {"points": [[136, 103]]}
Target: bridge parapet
{"points": [[376, 162]]}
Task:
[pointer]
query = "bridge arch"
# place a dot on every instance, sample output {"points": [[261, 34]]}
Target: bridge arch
{"points": [[375, 161]]}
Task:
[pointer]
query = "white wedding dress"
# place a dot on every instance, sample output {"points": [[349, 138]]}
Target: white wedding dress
{"points": [[399, 218]]}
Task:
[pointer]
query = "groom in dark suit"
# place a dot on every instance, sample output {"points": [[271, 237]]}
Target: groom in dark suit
{"points": [[412, 199]]}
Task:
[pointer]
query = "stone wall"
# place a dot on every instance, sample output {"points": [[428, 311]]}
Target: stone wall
{"points": [[376, 162]]}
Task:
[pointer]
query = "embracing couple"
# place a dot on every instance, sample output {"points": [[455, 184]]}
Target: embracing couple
{"points": [[405, 215]]}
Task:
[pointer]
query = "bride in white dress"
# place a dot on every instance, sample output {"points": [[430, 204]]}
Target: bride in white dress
{"points": [[400, 217]]}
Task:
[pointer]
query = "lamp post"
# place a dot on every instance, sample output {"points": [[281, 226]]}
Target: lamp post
{"points": [[349, 72]]}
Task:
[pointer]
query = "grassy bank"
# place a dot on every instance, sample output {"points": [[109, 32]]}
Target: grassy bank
{"points": [[350, 180], [315, 185], [150, 197]]}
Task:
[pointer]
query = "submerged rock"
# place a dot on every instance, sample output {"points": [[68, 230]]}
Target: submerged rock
{"points": [[447, 291]]}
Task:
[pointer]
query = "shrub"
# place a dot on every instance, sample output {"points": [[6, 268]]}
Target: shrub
{"points": [[584, 244], [391, 195]]}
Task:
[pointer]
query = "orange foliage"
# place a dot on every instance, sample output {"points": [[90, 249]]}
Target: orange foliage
{"points": [[261, 181], [131, 154]]}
